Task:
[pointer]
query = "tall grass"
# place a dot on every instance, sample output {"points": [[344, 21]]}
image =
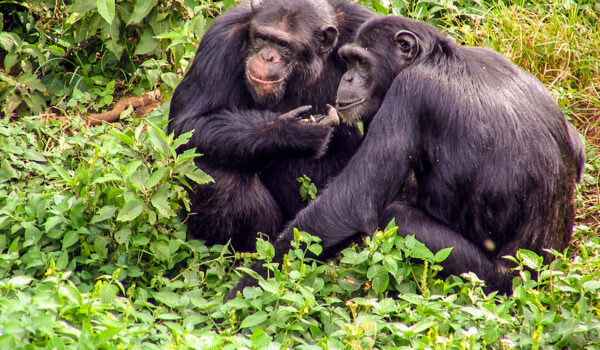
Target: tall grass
{"points": [[557, 41]]}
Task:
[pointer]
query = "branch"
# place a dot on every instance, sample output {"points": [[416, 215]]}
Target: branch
{"points": [[143, 104]]}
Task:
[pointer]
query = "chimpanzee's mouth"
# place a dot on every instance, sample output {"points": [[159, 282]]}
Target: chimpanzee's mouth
{"points": [[265, 82], [345, 105]]}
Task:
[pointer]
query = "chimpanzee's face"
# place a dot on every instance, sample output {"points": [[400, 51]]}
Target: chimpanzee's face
{"points": [[372, 66], [269, 64], [286, 44]]}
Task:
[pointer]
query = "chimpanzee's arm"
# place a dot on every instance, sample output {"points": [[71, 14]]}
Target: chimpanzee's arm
{"points": [[352, 203], [248, 138]]}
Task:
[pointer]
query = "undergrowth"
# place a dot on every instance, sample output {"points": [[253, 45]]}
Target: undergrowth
{"points": [[93, 251]]}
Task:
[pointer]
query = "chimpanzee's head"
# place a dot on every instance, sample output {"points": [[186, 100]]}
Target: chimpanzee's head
{"points": [[289, 41], [384, 46]]}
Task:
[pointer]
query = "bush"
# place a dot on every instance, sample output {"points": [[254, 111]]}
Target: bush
{"points": [[77, 55], [93, 250]]}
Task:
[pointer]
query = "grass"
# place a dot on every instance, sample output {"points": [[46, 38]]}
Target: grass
{"points": [[93, 253]]}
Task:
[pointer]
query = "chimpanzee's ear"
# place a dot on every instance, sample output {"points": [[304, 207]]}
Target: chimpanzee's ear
{"points": [[329, 35], [256, 5], [408, 44]]}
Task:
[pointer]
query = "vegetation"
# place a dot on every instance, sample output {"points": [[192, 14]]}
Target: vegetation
{"points": [[93, 251]]}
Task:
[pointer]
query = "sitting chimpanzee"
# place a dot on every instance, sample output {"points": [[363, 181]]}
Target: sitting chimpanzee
{"points": [[259, 68], [494, 160]]}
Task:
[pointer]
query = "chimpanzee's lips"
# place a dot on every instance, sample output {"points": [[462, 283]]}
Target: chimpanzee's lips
{"points": [[345, 105], [265, 82]]}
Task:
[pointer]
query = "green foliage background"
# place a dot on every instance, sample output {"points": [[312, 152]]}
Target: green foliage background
{"points": [[93, 250]]}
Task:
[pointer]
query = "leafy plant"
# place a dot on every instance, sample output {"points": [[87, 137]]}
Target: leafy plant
{"points": [[66, 54], [93, 250], [308, 190]]}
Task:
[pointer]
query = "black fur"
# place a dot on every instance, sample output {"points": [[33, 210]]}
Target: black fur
{"points": [[252, 152], [495, 161]]}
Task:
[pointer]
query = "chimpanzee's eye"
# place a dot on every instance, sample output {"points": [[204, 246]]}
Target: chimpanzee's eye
{"points": [[404, 46]]}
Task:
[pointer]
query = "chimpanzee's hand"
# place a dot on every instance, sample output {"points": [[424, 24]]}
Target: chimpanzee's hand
{"points": [[329, 119], [295, 113], [308, 136]]}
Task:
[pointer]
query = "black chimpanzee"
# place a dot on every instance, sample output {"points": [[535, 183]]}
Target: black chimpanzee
{"points": [[494, 160], [259, 68]]}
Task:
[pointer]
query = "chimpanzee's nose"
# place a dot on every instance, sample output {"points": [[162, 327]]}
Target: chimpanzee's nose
{"points": [[268, 55]]}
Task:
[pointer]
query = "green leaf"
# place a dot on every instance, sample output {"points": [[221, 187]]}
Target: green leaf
{"points": [[379, 277], [81, 6], [529, 258], [183, 139], [34, 155], [442, 254], [260, 340], [156, 177], [417, 249], [131, 168], [9, 41], [32, 82], [106, 9], [104, 213], [254, 319], [271, 286], [377, 257], [107, 178], [10, 60], [139, 178], [122, 236], [250, 272], [108, 293], [199, 177], [57, 50], [103, 339], [349, 284], [228, 3], [316, 249], [147, 44], [53, 221], [131, 210], [141, 9], [70, 238], [158, 139], [390, 264], [7, 172], [161, 250], [170, 79], [422, 326], [170, 299], [20, 281], [591, 285], [265, 250], [62, 172], [126, 139], [391, 228], [160, 201], [352, 258], [116, 48], [72, 293]]}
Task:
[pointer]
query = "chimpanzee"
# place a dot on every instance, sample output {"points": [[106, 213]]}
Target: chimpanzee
{"points": [[260, 67], [494, 160]]}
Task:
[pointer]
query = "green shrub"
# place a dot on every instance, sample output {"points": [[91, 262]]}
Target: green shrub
{"points": [[80, 55], [93, 249]]}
